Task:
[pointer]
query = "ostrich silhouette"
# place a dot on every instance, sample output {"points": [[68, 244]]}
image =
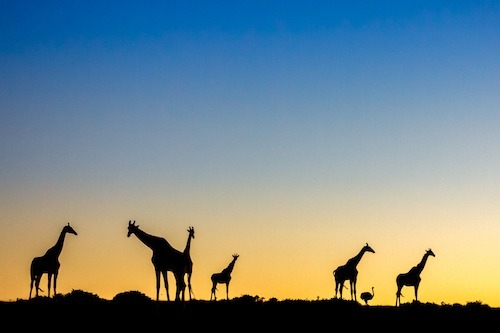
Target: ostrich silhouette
{"points": [[367, 296]]}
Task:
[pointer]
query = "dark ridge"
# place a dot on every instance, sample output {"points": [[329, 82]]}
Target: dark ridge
{"points": [[134, 310]]}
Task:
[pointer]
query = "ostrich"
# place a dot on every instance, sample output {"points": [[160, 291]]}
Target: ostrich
{"points": [[366, 296]]}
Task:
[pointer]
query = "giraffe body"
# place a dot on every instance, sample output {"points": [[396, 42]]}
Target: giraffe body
{"points": [[165, 258], [349, 272], [412, 277], [48, 264], [224, 277]]}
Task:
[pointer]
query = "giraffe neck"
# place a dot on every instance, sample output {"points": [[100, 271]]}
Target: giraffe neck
{"points": [[188, 244], [354, 261], [230, 267], [57, 248], [421, 265], [149, 240]]}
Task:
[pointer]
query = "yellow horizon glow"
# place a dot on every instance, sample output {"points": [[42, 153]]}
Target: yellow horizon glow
{"points": [[280, 256]]}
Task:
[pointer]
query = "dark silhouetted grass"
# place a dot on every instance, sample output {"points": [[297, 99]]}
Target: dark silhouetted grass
{"points": [[134, 311]]}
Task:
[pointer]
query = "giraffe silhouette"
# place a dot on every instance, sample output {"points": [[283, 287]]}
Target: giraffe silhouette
{"points": [[165, 258], [412, 277], [49, 263], [189, 262], [224, 277], [349, 272]]}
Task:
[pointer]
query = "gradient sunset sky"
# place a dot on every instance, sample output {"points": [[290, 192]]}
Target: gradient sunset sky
{"points": [[289, 132]]}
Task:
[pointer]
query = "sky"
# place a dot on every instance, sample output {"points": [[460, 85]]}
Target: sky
{"points": [[291, 133]]}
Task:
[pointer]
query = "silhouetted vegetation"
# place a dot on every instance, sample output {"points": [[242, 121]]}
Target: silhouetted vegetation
{"points": [[133, 309], [132, 297]]}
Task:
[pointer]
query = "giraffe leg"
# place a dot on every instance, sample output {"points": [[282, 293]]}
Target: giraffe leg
{"points": [[165, 282], [183, 289], [180, 285], [157, 277], [227, 291], [177, 290], [166, 286], [214, 288], [183, 286], [37, 284], [49, 280], [354, 291], [54, 284], [189, 286], [336, 284], [31, 287]]}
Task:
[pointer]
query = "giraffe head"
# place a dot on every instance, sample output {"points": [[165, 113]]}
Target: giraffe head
{"points": [[131, 228], [68, 229], [367, 248], [191, 232], [235, 256], [430, 253]]}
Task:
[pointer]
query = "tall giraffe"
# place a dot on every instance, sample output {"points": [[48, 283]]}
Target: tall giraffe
{"points": [[349, 272], [165, 258], [49, 263], [223, 277], [189, 262], [412, 277]]}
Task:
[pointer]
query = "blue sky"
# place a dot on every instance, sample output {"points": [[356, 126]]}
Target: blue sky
{"points": [[252, 118]]}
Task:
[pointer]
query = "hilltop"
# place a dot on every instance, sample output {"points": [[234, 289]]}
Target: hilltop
{"points": [[134, 310]]}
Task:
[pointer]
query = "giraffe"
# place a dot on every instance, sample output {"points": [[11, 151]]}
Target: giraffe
{"points": [[412, 277], [49, 263], [223, 277], [165, 258], [349, 272], [189, 262]]}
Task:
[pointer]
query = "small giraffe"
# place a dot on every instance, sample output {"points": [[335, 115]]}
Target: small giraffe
{"points": [[223, 277], [189, 262], [49, 263], [412, 277], [165, 258], [349, 272]]}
